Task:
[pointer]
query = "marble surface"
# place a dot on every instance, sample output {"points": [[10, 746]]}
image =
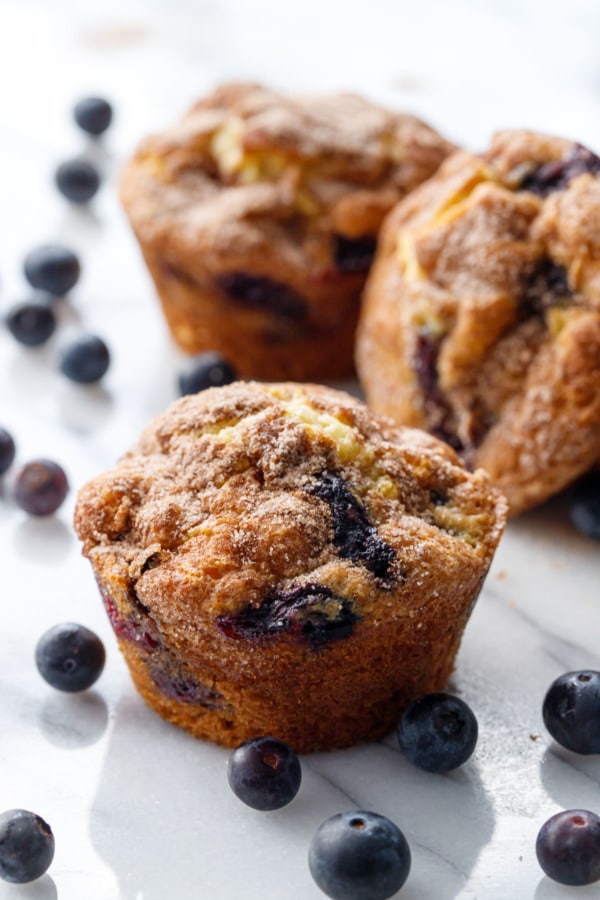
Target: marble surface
{"points": [[141, 811]]}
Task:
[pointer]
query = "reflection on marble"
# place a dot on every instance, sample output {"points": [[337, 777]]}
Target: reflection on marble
{"points": [[140, 810]]}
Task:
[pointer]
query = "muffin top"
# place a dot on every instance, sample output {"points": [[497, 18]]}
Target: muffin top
{"points": [[311, 165], [283, 507]]}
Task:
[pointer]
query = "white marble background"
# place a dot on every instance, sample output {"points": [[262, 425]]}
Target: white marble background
{"points": [[141, 811]]}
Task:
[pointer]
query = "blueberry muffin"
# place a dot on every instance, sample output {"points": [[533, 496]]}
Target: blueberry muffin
{"points": [[258, 215], [275, 560], [481, 319]]}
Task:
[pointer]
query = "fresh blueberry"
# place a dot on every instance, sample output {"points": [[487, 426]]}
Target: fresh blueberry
{"points": [[264, 773], [359, 856], [205, 370], [93, 115], [77, 180], [40, 487], [31, 323], [7, 450], [85, 360], [70, 657], [52, 268], [571, 711], [438, 732], [585, 509], [26, 846], [568, 847]]}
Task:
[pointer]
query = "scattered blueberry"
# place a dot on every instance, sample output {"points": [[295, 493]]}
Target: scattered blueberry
{"points": [[52, 268], [70, 657], [264, 773], [31, 323], [585, 509], [40, 487], [308, 612], [77, 180], [571, 711], [7, 450], [93, 115], [438, 732], [359, 856], [568, 847], [206, 370], [85, 360], [26, 846]]}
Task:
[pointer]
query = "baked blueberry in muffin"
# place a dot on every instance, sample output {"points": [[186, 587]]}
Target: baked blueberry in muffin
{"points": [[481, 319], [258, 216], [276, 560]]}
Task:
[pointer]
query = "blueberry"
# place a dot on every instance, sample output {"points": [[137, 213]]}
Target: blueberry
{"points": [[40, 487], [52, 268], [206, 370], [438, 732], [547, 285], [85, 360], [439, 411], [266, 294], [571, 711], [568, 847], [26, 846], [77, 180], [31, 323], [70, 657], [93, 115], [556, 176], [308, 612], [585, 509], [359, 856], [264, 773], [353, 534], [7, 450], [354, 254]]}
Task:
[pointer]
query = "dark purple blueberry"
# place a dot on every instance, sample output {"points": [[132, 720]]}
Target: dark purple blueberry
{"points": [[438, 732], [308, 612], [568, 847], [571, 711], [439, 412], [31, 323], [262, 293], [585, 508], [174, 681], [7, 450], [93, 115], [264, 773], [40, 487], [204, 371], [359, 856], [141, 630], [353, 534], [353, 254], [85, 360], [77, 180], [555, 176], [547, 285], [26, 846], [52, 268], [70, 657]]}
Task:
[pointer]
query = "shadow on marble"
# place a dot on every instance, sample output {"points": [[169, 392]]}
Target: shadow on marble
{"points": [[42, 540], [571, 779], [551, 890], [72, 721], [43, 888], [83, 409]]}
